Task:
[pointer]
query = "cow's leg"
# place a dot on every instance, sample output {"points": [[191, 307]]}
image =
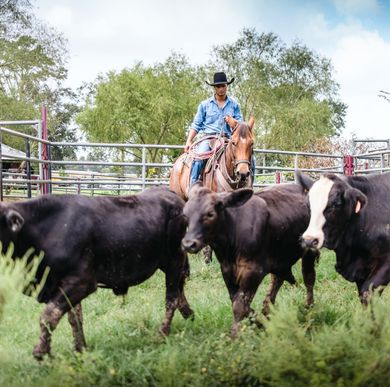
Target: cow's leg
{"points": [[49, 320], [175, 299], [207, 254], [377, 281], [73, 289], [75, 318], [230, 279], [275, 285], [249, 278], [309, 276]]}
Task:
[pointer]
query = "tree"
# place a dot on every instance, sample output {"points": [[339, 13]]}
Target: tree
{"points": [[146, 105], [385, 95], [33, 61], [289, 90]]}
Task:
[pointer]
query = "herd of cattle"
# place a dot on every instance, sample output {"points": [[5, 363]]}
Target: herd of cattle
{"points": [[118, 242]]}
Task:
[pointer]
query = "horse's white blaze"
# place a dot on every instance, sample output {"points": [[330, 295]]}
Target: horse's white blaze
{"points": [[318, 197]]}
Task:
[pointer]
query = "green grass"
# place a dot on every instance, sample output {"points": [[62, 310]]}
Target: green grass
{"points": [[334, 343]]}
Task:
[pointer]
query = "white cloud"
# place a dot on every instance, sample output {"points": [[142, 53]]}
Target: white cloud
{"points": [[363, 62], [110, 36], [59, 16]]}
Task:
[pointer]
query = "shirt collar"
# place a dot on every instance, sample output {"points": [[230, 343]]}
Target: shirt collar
{"points": [[213, 99]]}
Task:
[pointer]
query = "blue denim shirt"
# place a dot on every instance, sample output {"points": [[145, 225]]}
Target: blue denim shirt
{"points": [[210, 117]]}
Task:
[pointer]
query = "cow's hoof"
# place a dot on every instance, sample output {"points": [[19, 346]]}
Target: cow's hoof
{"points": [[309, 305], [256, 321], [164, 331], [187, 313], [40, 353]]}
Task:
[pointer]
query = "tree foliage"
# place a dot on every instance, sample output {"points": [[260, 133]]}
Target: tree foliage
{"points": [[146, 105], [33, 60], [289, 90]]}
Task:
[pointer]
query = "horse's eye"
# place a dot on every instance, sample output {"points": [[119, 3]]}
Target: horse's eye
{"points": [[234, 143]]}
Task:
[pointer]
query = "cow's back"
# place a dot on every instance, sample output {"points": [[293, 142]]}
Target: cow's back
{"points": [[121, 240]]}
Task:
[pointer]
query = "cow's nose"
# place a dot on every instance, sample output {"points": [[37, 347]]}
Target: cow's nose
{"points": [[191, 245], [310, 243]]}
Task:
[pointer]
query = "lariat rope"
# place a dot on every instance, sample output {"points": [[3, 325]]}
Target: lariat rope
{"points": [[220, 142], [206, 155]]}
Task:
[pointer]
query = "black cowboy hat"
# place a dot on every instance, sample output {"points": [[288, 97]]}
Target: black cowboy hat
{"points": [[220, 79]]}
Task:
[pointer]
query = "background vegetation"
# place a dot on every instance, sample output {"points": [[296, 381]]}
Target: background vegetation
{"points": [[289, 89], [334, 343]]}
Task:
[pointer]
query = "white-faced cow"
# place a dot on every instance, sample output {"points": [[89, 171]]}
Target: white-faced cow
{"points": [[111, 242], [351, 215], [252, 236]]}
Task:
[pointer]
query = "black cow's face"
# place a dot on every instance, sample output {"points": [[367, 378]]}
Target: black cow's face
{"points": [[332, 205], [204, 211]]}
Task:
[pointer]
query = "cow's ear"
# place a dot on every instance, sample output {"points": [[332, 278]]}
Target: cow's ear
{"points": [[237, 198], [356, 198], [14, 220], [304, 181]]}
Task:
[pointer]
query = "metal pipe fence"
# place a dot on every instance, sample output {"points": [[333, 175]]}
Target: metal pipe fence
{"points": [[143, 165]]}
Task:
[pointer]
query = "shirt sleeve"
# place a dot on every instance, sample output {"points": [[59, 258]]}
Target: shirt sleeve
{"points": [[199, 118], [237, 112]]}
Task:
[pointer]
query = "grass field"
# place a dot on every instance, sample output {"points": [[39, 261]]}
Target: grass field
{"points": [[335, 343]]}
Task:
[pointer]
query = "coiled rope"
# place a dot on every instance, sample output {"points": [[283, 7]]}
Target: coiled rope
{"points": [[220, 141]]}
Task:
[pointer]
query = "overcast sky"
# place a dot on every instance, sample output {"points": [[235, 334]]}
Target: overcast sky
{"points": [[354, 34]]}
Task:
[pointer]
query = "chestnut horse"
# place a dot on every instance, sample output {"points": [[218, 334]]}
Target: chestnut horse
{"points": [[227, 169]]}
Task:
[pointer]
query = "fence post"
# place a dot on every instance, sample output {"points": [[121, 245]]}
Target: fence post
{"points": [[348, 165], [1, 165], [45, 170], [28, 167], [277, 177], [143, 167], [49, 168]]}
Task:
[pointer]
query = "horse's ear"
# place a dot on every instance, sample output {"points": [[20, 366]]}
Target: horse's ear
{"points": [[251, 122], [232, 122]]}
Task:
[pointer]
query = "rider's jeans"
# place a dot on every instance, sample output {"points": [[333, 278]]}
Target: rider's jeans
{"points": [[197, 165]]}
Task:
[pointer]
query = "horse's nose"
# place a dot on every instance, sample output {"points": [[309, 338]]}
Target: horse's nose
{"points": [[243, 175]]}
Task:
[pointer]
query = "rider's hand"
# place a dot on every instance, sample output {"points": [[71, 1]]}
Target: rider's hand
{"points": [[230, 121], [187, 146]]}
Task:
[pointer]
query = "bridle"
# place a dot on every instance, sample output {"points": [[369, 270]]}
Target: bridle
{"points": [[241, 161]]}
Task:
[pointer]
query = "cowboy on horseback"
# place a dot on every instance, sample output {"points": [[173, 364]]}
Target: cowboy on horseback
{"points": [[212, 119]]}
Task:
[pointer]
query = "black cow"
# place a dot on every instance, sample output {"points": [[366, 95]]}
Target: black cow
{"points": [[252, 236], [111, 242], [351, 215]]}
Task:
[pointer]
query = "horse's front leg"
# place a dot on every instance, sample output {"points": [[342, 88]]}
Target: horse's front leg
{"points": [[207, 254]]}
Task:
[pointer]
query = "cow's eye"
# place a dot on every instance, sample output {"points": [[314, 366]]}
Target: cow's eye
{"points": [[337, 204], [210, 215]]}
